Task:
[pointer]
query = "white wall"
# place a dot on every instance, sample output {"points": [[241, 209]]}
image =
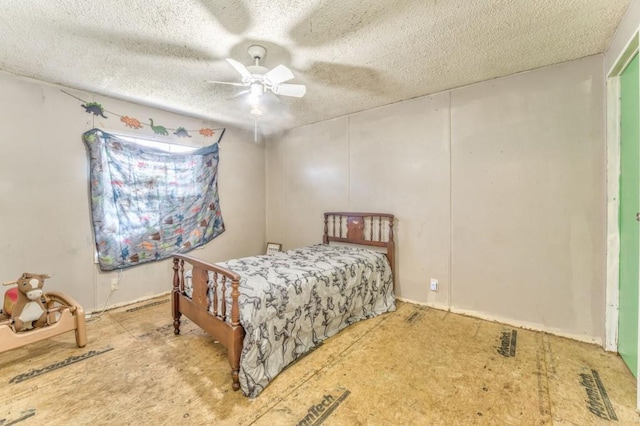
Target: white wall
{"points": [[45, 224], [498, 189], [529, 198]]}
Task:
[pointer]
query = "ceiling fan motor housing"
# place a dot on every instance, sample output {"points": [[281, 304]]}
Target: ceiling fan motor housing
{"points": [[257, 69]]}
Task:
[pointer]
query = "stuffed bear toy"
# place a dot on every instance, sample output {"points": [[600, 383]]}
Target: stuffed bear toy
{"points": [[27, 311]]}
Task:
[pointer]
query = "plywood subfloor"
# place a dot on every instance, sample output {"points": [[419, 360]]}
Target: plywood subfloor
{"points": [[414, 366]]}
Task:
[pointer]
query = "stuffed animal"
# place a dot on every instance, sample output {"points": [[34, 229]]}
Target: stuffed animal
{"points": [[27, 311]]}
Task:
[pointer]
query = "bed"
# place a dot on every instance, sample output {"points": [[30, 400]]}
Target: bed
{"points": [[269, 310]]}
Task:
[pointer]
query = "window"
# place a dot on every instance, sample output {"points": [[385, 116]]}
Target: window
{"points": [[153, 143], [150, 199]]}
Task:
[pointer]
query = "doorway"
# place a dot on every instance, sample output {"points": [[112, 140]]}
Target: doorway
{"points": [[628, 221]]}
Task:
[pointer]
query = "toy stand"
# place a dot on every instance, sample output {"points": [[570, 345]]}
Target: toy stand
{"points": [[64, 314]]}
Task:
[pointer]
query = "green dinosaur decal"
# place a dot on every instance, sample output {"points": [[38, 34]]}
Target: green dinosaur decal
{"points": [[158, 130]]}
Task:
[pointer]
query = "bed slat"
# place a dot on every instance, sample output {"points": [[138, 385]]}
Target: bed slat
{"points": [[223, 293], [215, 294], [355, 228], [199, 284]]}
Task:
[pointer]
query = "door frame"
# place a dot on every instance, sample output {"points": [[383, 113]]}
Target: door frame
{"points": [[613, 195]]}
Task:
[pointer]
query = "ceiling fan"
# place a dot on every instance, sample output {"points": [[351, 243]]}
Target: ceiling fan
{"points": [[260, 80]]}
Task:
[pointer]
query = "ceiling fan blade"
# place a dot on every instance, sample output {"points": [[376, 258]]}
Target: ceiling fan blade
{"points": [[244, 72], [343, 75], [295, 90], [233, 15], [141, 45], [227, 82], [279, 74], [323, 26]]}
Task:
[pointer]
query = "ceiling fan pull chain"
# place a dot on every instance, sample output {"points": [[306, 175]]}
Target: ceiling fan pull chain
{"points": [[255, 131]]}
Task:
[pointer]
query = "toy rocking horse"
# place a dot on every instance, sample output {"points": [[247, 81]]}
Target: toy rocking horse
{"points": [[29, 315]]}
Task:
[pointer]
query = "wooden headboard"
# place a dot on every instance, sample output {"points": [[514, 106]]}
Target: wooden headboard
{"points": [[369, 229]]}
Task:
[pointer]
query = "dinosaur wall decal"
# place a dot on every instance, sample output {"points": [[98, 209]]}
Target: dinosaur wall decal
{"points": [[158, 130], [94, 108], [182, 132], [98, 110], [131, 122]]}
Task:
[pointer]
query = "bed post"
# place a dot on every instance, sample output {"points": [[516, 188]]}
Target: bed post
{"points": [[237, 337], [391, 251], [325, 237], [175, 296]]}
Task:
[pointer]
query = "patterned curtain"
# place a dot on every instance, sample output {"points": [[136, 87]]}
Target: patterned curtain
{"points": [[148, 204]]}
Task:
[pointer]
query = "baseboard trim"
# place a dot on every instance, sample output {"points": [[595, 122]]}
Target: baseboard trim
{"points": [[509, 321], [129, 302]]}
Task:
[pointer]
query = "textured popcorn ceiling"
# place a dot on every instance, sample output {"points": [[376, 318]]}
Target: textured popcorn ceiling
{"points": [[353, 55]]}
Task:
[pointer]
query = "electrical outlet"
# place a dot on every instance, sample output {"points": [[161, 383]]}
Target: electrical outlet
{"points": [[115, 284], [434, 284]]}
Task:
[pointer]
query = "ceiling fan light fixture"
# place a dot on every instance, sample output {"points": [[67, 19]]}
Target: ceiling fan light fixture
{"points": [[257, 90]]}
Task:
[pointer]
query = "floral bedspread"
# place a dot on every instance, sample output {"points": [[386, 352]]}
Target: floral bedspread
{"points": [[291, 301]]}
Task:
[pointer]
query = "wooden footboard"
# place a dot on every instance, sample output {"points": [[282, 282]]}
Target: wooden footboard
{"points": [[223, 326]]}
